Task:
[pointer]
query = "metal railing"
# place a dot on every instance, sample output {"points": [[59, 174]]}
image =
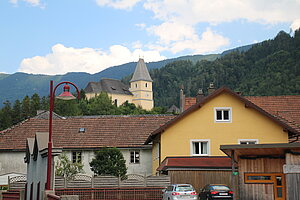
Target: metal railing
{"points": [[146, 193]]}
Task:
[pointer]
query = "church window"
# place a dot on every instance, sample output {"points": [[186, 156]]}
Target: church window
{"points": [[136, 85], [146, 85]]}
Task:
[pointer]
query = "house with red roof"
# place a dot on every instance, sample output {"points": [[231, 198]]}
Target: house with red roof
{"points": [[188, 147], [79, 137]]}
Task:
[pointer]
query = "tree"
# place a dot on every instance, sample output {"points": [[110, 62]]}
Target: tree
{"points": [[6, 116], [109, 161], [101, 105], [65, 168], [25, 108], [16, 115], [35, 104]]}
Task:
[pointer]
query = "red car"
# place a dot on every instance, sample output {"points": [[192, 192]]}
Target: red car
{"points": [[215, 191]]}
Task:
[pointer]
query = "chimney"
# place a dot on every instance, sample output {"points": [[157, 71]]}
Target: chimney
{"points": [[182, 99], [211, 88], [199, 96]]}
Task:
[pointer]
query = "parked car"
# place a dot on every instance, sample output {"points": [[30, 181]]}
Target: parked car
{"points": [[215, 191], [180, 192]]}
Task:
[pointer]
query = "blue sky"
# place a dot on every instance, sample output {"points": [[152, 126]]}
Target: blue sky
{"points": [[60, 36]]}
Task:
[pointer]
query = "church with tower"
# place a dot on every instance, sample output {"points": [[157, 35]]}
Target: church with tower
{"points": [[139, 93]]}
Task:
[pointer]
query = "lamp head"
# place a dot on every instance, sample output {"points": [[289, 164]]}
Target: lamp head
{"points": [[66, 95]]}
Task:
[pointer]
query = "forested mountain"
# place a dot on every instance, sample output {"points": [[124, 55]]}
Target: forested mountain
{"points": [[268, 68], [18, 85]]}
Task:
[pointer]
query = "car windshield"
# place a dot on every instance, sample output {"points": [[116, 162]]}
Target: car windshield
{"points": [[219, 187], [184, 188]]}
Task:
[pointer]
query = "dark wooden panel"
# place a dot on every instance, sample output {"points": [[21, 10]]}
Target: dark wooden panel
{"points": [[200, 178], [293, 185]]}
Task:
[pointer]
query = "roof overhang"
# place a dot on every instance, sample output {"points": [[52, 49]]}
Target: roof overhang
{"points": [[195, 163], [275, 150]]}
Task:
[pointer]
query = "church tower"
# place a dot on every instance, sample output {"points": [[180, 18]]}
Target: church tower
{"points": [[141, 86]]}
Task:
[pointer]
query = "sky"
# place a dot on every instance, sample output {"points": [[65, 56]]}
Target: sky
{"points": [[61, 36]]}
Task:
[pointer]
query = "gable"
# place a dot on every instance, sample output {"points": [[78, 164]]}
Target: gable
{"points": [[246, 123]]}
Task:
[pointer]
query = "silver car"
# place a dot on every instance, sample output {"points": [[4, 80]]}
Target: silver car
{"points": [[180, 192]]}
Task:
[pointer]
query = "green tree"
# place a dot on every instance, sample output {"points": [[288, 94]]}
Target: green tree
{"points": [[16, 114], [109, 161], [101, 105], [35, 104], [65, 168], [6, 116], [25, 108]]}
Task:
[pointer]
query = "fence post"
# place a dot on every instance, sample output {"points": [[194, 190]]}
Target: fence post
{"points": [[8, 182], [65, 182]]}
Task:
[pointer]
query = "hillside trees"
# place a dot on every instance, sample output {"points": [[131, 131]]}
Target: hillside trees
{"points": [[268, 68], [100, 105]]}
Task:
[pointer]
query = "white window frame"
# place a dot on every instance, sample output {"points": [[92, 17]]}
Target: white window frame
{"points": [[248, 140], [199, 140], [222, 109], [134, 156]]}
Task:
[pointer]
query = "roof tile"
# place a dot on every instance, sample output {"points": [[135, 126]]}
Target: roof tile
{"points": [[100, 131]]}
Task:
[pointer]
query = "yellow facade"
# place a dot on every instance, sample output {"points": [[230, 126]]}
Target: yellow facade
{"points": [[142, 94], [245, 124], [119, 98]]}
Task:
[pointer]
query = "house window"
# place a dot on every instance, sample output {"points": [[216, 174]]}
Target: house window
{"points": [[200, 147], [248, 141], [223, 114], [135, 157], [116, 102], [76, 157]]}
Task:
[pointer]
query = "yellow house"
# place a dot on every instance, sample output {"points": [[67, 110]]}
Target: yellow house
{"points": [[140, 90], [223, 117]]}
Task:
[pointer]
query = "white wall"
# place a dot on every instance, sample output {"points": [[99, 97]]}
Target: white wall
{"points": [[143, 168], [12, 162]]}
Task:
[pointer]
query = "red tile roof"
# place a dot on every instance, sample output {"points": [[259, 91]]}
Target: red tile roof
{"points": [[195, 162], [100, 131], [285, 108]]}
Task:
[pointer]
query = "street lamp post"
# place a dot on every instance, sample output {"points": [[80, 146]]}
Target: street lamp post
{"points": [[66, 95]]}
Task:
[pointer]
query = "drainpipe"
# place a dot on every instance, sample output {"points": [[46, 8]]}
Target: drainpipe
{"points": [[233, 185]]}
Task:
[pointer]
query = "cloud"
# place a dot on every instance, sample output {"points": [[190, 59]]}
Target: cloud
{"points": [[68, 59], [218, 11], [295, 25], [118, 4], [177, 37], [141, 26], [31, 2]]}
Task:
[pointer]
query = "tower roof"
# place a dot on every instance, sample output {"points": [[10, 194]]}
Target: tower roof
{"points": [[141, 72]]}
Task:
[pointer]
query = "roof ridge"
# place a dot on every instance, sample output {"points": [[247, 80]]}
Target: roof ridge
{"points": [[111, 116]]}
